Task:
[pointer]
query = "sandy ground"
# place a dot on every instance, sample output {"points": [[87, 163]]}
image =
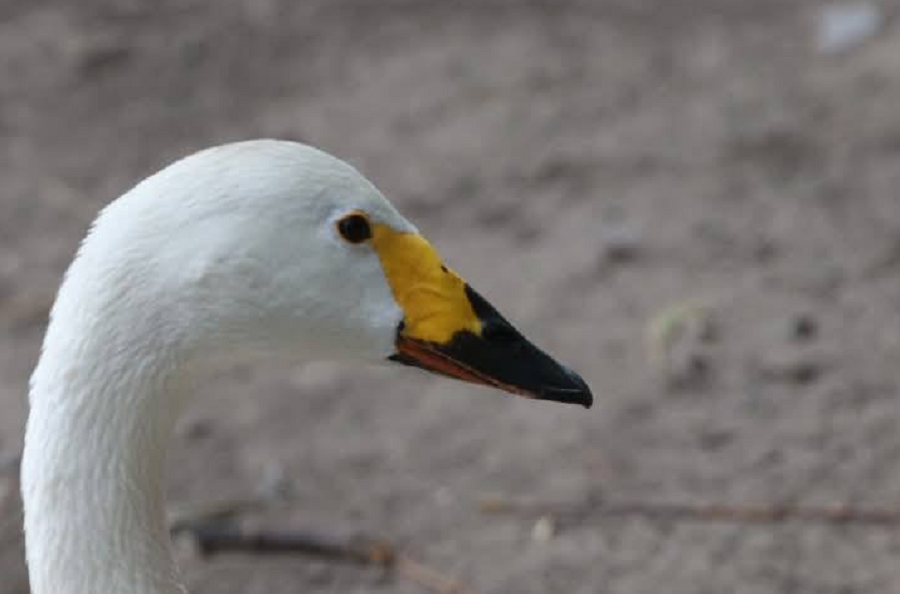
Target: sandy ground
{"points": [[684, 200]]}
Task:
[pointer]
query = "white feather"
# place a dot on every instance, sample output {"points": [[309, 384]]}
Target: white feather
{"points": [[230, 249]]}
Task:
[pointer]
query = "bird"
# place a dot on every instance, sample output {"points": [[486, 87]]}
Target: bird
{"points": [[257, 248]]}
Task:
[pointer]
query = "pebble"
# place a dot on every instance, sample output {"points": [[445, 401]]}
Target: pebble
{"points": [[619, 244], [544, 530], [275, 483], [795, 366], [844, 26], [804, 327], [196, 429]]}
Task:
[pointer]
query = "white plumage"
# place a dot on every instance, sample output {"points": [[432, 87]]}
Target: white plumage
{"points": [[233, 250]]}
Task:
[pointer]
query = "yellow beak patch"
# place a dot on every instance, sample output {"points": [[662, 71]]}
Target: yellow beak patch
{"points": [[433, 297]]}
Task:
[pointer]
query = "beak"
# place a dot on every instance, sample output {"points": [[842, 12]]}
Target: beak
{"points": [[451, 330], [497, 356]]}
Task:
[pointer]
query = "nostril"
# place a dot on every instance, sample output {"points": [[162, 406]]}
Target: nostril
{"points": [[498, 331]]}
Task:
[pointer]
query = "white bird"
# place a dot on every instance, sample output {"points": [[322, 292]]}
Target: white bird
{"points": [[255, 247]]}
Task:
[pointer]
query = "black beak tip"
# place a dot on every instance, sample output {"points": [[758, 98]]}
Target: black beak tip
{"points": [[587, 399], [574, 390]]}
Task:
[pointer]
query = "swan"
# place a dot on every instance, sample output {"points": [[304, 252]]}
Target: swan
{"points": [[261, 247]]}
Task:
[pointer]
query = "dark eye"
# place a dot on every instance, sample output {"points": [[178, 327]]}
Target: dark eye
{"points": [[354, 228]]}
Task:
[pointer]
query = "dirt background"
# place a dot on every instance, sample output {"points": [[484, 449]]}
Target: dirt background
{"points": [[685, 200]]}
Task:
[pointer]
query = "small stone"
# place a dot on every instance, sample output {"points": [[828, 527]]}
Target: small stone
{"points": [[795, 366], [713, 440], [804, 327], [275, 483], [764, 250], [844, 26], [197, 429], [103, 56], [544, 529], [619, 244]]}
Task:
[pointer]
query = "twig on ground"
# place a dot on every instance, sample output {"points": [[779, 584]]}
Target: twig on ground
{"points": [[216, 537], [716, 512], [193, 518], [429, 578]]}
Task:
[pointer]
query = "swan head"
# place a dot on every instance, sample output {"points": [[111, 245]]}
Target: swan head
{"points": [[276, 246]]}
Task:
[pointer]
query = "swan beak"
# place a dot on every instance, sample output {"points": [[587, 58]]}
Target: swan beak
{"points": [[499, 357], [451, 330]]}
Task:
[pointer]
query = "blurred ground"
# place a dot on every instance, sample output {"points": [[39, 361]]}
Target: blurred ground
{"points": [[590, 167]]}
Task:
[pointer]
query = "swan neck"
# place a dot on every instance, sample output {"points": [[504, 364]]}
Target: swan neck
{"points": [[93, 474]]}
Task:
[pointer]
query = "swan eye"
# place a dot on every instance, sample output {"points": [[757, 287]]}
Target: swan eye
{"points": [[354, 228]]}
